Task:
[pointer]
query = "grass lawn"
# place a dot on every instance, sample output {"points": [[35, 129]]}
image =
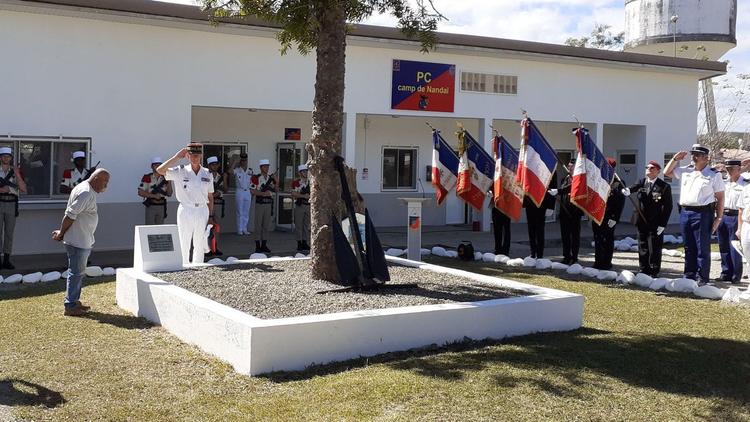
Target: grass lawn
{"points": [[640, 356]]}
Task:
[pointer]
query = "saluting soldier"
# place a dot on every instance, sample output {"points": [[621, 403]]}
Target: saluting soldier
{"points": [[731, 260], [155, 189], [263, 186], [79, 173], [702, 205], [535, 219], [11, 186], [570, 218], [604, 234], [301, 195], [194, 189], [242, 175], [654, 208]]}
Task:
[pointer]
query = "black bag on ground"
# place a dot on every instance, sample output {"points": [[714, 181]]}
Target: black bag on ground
{"points": [[465, 250]]}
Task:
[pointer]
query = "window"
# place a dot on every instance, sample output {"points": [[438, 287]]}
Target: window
{"points": [[667, 158], [399, 168], [493, 84], [43, 160], [228, 155]]}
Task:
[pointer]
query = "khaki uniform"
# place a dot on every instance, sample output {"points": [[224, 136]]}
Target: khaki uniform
{"points": [[263, 206], [156, 209], [302, 210], [8, 210]]}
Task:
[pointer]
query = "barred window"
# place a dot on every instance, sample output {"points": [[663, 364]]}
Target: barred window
{"points": [[488, 83]]}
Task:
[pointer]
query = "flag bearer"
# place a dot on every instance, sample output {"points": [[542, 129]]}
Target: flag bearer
{"points": [[155, 189], [501, 231], [535, 218], [570, 218], [242, 175], [702, 203], [301, 195], [654, 208], [11, 186], [194, 189], [604, 234], [263, 186], [731, 260]]}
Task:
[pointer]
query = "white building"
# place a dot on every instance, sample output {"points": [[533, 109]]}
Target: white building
{"points": [[132, 79]]}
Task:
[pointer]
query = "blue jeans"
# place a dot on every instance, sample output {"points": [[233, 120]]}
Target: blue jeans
{"points": [[731, 260], [696, 230], [77, 259]]}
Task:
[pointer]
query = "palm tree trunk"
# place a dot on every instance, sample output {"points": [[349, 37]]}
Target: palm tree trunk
{"points": [[327, 123]]}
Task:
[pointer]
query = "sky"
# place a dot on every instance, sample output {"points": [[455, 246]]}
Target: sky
{"points": [[554, 21]]}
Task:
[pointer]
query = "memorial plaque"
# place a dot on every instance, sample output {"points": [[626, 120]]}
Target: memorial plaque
{"points": [[160, 243]]}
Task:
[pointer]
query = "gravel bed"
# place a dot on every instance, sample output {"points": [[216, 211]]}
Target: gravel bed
{"points": [[284, 289]]}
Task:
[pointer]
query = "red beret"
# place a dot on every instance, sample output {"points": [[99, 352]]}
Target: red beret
{"points": [[655, 164], [612, 162]]}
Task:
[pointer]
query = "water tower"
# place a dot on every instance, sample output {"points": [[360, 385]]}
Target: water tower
{"points": [[695, 29]]}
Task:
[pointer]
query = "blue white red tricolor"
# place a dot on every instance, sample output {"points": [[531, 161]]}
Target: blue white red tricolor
{"points": [[507, 193], [592, 177], [444, 167], [537, 162], [476, 169], [423, 86]]}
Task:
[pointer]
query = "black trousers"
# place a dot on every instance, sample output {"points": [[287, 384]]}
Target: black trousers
{"points": [[649, 250], [570, 229], [604, 245], [501, 228], [535, 222]]}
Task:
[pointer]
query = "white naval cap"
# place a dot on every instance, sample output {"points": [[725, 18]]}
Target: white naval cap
{"points": [[156, 160], [6, 150], [212, 160], [79, 154], [264, 162], [302, 167]]}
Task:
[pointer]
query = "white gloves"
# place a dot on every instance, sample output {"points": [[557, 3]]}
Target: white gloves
{"points": [[611, 223], [659, 230], [549, 213], [553, 192], [626, 191]]}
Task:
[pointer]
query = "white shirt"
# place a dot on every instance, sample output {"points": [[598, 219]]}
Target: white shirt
{"points": [[733, 193], [242, 177], [745, 203], [191, 189], [81, 208], [697, 188]]}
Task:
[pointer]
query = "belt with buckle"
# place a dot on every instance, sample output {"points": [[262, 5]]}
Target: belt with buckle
{"points": [[731, 212], [699, 208]]}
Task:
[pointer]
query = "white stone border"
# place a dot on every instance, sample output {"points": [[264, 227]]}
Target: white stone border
{"points": [[255, 346]]}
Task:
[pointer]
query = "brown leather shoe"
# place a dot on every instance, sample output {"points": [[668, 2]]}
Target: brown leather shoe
{"points": [[74, 311], [82, 306]]}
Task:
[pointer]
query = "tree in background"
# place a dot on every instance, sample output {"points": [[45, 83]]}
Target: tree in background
{"points": [[322, 25], [601, 37]]}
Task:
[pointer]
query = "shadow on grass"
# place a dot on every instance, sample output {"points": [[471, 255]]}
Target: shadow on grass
{"points": [[18, 291], [120, 321], [15, 392]]}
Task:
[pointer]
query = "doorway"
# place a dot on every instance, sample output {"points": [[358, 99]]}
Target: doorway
{"points": [[289, 156]]}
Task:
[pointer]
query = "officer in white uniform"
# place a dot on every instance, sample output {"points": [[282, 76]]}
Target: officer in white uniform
{"points": [[13, 185], [194, 187], [242, 175], [72, 177], [702, 202], [731, 260]]}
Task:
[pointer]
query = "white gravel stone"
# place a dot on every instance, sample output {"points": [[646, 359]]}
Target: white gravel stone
{"points": [[517, 262], [607, 276], [394, 252], [658, 284], [65, 274], [488, 257], [109, 271], [543, 264], [643, 280], [477, 256], [622, 247], [559, 266], [51, 276], [590, 272], [574, 269], [300, 255], [13, 279], [32, 278], [529, 262], [278, 289], [439, 251], [424, 252], [215, 261], [94, 271], [502, 259], [235, 259], [626, 277], [709, 292]]}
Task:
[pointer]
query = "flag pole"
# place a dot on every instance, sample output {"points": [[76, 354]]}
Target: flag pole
{"points": [[557, 157], [635, 205]]}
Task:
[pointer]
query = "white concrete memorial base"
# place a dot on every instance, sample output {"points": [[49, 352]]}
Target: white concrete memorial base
{"points": [[255, 346]]}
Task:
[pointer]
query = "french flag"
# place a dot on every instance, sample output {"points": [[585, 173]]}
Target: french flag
{"points": [[592, 177], [444, 167], [537, 162], [507, 193], [476, 169]]}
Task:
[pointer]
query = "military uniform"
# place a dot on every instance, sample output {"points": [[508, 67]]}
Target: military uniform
{"points": [[501, 231], [8, 208], [302, 211], [242, 197], [263, 207], [698, 205], [604, 234], [570, 223], [731, 260], [655, 204], [72, 177], [535, 218], [156, 209]]}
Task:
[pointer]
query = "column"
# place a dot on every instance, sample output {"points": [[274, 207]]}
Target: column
{"points": [[350, 138]]}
